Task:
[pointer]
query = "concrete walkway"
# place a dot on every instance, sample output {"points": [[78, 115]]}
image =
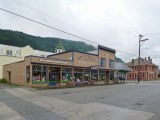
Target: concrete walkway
{"points": [[6, 113], [74, 111]]}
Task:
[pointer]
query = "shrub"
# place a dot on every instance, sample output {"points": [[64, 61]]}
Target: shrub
{"points": [[3, 80]]}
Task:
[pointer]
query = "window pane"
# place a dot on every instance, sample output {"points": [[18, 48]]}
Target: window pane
{"points": [[39, 74], [103, 62], [94, 75], [102, 75], [111, 63], [66, 74]]}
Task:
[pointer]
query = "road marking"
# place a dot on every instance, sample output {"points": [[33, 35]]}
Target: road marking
{"points": [[73, 111], [6, 113]]}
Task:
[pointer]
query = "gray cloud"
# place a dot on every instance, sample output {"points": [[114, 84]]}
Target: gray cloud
{"points": [[117, 23]]}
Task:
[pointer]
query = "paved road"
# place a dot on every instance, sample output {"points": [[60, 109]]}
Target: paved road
{"points": [[119, 102]]}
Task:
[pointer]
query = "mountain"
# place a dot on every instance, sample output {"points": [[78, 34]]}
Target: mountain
{"points": [[20, 39], [119, 60], [48, 44]]}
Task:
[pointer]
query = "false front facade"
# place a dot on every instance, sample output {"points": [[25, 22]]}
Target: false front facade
{"points": [[66, 68]]}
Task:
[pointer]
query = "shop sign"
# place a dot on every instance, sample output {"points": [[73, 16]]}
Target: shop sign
{"points": [[87, 58], [52, 61]]}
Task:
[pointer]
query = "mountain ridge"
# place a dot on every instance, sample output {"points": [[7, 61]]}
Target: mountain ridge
{"points": [[20, 39]]}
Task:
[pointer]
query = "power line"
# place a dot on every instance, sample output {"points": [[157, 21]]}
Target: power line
{"points": [[36, 10], [47, 25], [53, 18], [126, 53], [56, 29]]}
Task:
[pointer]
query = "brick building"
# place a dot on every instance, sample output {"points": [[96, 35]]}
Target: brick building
{"points": [[63, 69], [148, 70]]}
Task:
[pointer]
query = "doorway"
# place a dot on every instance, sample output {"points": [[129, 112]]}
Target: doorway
{"points": [[54, 76]]}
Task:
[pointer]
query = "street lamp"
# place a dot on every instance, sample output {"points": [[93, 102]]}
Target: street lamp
{"points": [[141, 41]]}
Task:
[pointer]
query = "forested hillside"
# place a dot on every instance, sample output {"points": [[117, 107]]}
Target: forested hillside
{"points": [[20, 39]]}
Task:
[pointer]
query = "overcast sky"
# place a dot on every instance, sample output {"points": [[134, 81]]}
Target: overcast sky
{"points": [[112, 23]]}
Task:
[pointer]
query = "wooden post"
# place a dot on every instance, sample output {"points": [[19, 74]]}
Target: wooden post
{"points": [[83, 75], [90, 75], [60, 76], [30, 80], [47, 74], [72, 74], [107, 77], [98, 75]]}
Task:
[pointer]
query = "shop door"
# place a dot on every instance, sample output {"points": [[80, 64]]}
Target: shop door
{"points": [[54, 76]]}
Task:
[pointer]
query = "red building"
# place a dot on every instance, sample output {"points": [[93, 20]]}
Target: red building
{"points": [[148, 70]]}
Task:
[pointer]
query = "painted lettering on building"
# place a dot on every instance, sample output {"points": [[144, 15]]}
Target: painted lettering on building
{"points": [[86, 58], [53, 61]]}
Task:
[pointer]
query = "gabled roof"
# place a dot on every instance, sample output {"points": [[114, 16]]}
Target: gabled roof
{"points": [[60, 46], [142, 62]]}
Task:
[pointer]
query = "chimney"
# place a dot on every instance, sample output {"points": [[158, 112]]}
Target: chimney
{"points": [[142, 59], [132, 61], [148, 58]]}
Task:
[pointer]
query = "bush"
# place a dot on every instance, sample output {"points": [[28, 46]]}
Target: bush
{"points": [[3, 80]]}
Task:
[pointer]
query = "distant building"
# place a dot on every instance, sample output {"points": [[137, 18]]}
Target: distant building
{"points": [[10, 54], [121, 70], [59, 48], [148, 70]]}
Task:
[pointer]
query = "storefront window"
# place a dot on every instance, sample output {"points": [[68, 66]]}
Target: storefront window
{"points": [[28, 74], [94, 75], [102, 75], [78, 75], [54, 74], [86, 75], [39, 74], [66, 74], [111, 74]]}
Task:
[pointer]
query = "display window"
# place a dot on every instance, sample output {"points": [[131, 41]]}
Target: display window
{"points": [[94, 75], [78, 75], [66, 74], [39, 74], [102, 75], [54, 74]]}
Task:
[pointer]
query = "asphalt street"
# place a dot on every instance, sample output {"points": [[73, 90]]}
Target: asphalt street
{"points": [[144, 97]]}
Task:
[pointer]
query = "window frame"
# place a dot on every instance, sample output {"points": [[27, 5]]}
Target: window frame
{"points": [[111, 63], [103, 62], [9, 52]]}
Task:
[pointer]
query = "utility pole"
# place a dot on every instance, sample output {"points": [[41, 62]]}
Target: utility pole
{"points": [[140, 40]]}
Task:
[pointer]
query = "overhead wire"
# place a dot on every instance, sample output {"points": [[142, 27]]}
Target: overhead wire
{"points": [[65, 22], [55, 28]]}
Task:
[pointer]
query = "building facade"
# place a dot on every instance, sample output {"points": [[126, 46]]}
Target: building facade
{"points": [[10, 54], [61, 69], [148, 70], [121, 70]]}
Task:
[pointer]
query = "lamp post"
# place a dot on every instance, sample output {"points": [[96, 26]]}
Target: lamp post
{"points": [[140, 44]]}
